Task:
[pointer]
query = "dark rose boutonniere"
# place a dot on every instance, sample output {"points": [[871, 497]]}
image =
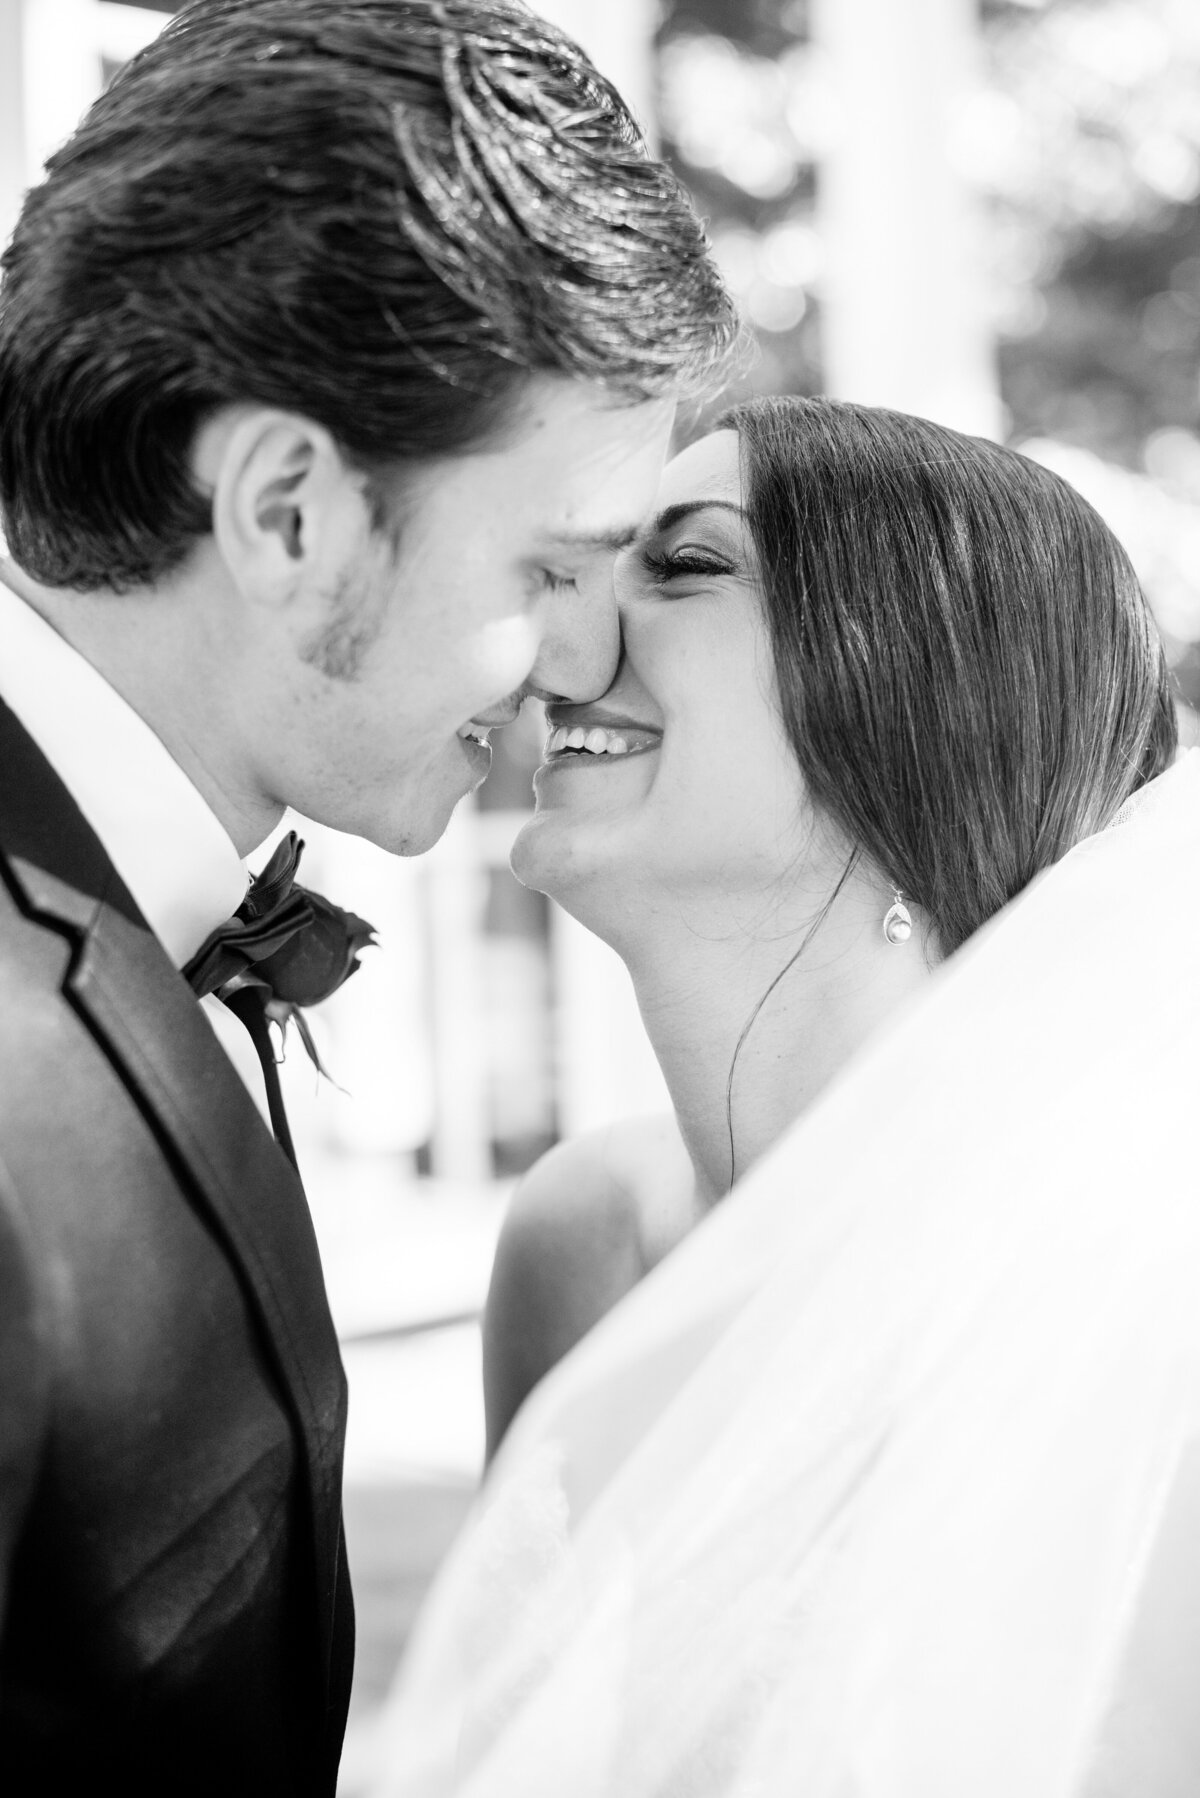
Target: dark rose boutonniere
{"points": [[294, 945]]}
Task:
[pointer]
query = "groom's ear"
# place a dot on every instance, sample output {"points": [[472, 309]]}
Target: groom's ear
{"points": [[283, 500]]}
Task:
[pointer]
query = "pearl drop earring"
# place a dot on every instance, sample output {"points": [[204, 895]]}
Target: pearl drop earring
{"points": [[897, 925]]}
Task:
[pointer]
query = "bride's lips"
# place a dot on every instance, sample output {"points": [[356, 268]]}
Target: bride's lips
{"points": [[590, 737]]}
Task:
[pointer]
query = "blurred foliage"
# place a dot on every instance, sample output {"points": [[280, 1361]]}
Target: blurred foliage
{"points": [[1082, 140], [739, 97]]}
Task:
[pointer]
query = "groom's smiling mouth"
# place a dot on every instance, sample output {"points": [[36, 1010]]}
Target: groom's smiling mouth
{"points": [[475, 734]]}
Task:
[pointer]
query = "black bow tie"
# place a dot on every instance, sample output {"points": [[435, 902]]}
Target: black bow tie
{"points": [[272, 913]]}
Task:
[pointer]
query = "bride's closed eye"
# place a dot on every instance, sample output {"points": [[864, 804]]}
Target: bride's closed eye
{"points": [[664, 566]]}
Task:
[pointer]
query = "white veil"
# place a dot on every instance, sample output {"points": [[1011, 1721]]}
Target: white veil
{"points": [[885, 1484]]}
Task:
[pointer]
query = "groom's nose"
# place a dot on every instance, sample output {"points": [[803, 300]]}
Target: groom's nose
{"points": [[580, 645]]}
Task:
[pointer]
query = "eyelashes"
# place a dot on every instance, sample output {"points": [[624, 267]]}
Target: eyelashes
{"points": [[664, 566], [661, 565], [550, 582]]}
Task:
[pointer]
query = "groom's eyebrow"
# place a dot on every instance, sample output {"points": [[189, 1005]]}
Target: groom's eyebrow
{"points": [[617, 538]]}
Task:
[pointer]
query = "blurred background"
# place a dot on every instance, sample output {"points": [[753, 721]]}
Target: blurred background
{"points": [[983, 211]]}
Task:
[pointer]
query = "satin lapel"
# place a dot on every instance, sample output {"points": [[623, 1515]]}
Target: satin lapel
{"points": [[152, 1022], [140, 1006]]}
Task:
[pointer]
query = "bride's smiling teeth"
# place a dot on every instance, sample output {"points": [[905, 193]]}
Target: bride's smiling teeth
{"points": [[589, 742], [596, 740]]}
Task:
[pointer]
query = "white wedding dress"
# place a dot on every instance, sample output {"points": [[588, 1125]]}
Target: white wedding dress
{"points": [[885, 1484]]}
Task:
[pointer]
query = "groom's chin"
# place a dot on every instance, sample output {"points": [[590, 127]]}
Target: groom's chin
{"points": [[411, 816], [413, 833], [405, 823]]}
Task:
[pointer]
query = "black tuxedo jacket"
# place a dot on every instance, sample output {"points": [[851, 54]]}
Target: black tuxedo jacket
{"points": [[174, 1609]]}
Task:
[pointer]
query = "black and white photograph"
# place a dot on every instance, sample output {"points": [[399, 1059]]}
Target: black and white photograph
{"points": [[600, 898]]}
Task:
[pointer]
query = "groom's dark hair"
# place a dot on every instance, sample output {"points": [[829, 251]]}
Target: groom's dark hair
{"points": [[383, 214]]}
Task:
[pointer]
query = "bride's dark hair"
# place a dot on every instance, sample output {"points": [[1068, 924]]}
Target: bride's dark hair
{"points": [[969, 673]]}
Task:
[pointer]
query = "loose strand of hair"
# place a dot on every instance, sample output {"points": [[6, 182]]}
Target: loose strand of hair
{"points": [[852, 862]]}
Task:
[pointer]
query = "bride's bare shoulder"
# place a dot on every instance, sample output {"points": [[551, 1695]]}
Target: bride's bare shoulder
{"points": [[583, 1227]]}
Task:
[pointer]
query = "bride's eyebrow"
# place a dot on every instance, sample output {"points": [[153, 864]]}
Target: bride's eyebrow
{"points": [[687, 508]]}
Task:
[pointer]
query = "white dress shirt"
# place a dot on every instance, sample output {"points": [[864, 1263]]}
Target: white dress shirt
{"points": [[162, 836]]}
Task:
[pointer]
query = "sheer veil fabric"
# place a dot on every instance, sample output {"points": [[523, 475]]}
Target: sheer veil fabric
{"points": [[886, 1484]]}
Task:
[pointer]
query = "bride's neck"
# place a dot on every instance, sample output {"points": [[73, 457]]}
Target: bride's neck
{"points": [[698, 990]]}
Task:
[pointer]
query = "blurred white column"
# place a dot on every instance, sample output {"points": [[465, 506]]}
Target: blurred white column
{"points": [[13, 180], [456, 888], [904, 317], [62, 73], [618, 35], [51, 69]]}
